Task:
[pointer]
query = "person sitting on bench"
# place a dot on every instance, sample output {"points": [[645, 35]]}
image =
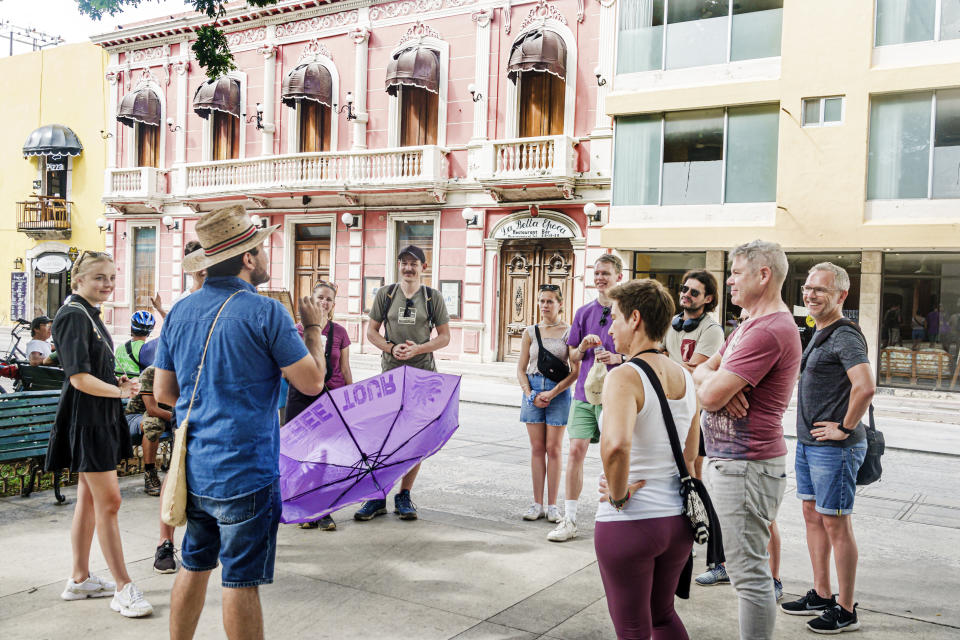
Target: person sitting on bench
{"points": [[147, 420]]}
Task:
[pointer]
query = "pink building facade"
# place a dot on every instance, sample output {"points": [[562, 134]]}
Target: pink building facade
{"points": [[472, 129]]}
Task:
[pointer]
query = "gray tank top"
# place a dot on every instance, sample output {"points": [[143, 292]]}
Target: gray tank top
{"points": [[556, 346]]}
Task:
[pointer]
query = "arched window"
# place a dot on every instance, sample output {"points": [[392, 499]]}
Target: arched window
{"points": [[221, 99], [309, 89], [142, 111], [538, 65], [413, 76]]}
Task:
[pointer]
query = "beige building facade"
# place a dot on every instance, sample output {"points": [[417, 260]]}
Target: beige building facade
{"points": [[831, 128]]}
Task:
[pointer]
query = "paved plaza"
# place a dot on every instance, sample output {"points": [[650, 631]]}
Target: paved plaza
{"points": [[470, 568]]}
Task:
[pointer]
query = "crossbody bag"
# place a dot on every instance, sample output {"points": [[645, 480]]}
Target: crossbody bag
{"points": [[548, 364]]}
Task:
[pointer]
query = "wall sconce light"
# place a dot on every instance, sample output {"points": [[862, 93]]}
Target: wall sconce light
{"points": [[349, 107], [18, 264], [600, 79], [592, 212], [470, 216], [173, 126], [103, 225], [349, 220], [258, 221], [104, 134], [258, 116], [474, 94], [306, 200], [170, 223]]}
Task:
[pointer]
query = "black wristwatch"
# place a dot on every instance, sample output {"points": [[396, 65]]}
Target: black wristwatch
{"points": [[849, 432]]}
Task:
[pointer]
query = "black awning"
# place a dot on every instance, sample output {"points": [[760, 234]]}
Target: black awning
{"points": [[308, 82], [52, 140], [417, 67], [542, 51], [222, 94], [139, 106]]}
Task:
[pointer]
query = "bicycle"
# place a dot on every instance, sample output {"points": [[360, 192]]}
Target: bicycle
{"points": [[14, 352]]}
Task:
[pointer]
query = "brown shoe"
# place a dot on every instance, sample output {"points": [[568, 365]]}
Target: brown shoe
{"points": [[151, 483]]}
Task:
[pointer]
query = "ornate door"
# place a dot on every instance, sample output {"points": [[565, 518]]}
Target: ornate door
{"points": [[311, 259], [526, 266]]}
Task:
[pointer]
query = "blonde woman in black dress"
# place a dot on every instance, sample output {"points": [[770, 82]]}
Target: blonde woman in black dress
{"points": [[90, 435]]}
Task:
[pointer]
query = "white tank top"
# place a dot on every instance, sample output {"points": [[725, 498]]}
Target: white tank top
{"points": [[651, 457]]}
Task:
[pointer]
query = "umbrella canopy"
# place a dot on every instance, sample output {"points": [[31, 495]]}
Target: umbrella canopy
{"points": [[52, 140], [355, 442]]}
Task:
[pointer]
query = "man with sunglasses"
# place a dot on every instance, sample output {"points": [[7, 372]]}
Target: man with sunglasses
{"points": [[589, 340], [408, 312]]}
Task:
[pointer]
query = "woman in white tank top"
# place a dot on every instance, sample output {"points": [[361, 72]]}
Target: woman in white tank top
{"points": [[641, 539]]}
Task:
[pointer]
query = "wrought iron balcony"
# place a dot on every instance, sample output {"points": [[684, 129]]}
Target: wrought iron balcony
{"points": [[44, 216]]}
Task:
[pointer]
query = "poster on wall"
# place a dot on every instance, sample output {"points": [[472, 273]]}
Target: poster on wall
{"points": [[18, 295]]}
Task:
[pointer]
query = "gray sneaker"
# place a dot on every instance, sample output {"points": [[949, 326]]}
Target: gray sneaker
{"points": [[713, 577]]}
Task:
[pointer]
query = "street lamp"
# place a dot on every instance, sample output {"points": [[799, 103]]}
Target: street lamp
{"points": [[470, 216], [349, 220], [170, 223]]}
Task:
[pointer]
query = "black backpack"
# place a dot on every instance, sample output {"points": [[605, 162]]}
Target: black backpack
{"points": [[871, 469], [428, 293]]}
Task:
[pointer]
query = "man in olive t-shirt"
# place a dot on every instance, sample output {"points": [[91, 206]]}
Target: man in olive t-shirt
{"points": [[408, 313]]}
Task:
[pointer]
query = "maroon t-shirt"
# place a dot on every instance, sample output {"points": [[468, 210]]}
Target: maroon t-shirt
{"points": [[765, 352]]}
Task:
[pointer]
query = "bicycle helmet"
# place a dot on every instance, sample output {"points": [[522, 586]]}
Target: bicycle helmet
{"points": [[142, 322]]}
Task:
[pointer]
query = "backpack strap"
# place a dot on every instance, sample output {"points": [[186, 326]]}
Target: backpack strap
{"points": [[128, 346], [385, 307], [328, 350], [428, 295]]}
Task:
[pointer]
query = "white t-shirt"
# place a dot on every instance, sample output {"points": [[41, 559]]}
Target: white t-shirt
{"points": [[41, 346]]}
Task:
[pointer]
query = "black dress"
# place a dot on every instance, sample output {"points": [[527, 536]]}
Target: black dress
{"points": [[90, 433]]}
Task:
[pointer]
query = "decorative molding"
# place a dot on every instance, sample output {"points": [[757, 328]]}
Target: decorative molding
{"points": [[403, 8], [311, 53], [359, 35], [153, 53], [238, 38], [542, 12], [439, 196], [260, 202], [181, 67], [112, 77], [482, 17], [126, 75], [418, 32], [506, 10], [267, 50], [580, 10], [145, 79], [606, 4], [317, 23], [460, 3]]}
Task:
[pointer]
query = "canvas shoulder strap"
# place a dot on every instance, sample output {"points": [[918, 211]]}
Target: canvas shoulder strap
{"points": [[667, 416], [385, 308], [825, 333], [96, 330], [128, 346]]}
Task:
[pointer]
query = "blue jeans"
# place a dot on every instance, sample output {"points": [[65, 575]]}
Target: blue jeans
{"points": [[241, 532], [555, 414], [829, 476]]}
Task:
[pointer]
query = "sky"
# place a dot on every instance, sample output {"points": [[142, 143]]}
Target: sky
{"points": [[62, 18]]}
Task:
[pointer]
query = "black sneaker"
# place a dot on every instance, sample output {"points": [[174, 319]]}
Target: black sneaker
{"points": [[809, 605], [151, 483], [327, 524], [164, 560], [835, 620]]}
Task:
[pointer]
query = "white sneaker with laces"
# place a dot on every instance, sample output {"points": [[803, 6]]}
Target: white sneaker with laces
{"points": [[533, 512], [130, 602], [553, 513], [92, 587], [566, 530]]}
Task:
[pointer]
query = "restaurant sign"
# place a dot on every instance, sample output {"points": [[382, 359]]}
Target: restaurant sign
{"points": [[533, 228], [18, 295]]}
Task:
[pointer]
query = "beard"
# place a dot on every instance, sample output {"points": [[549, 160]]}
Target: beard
{"points": [[259, 276], [691, 308]]}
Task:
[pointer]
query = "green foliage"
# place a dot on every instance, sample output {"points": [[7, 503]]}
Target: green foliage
{"points": [[211, 48]]}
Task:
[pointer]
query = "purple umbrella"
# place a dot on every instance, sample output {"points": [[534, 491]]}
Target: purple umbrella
{"points": [[355, 442]]}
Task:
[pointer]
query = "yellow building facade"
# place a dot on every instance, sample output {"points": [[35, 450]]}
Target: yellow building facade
{"points": [[832, 128], [53, 163]]}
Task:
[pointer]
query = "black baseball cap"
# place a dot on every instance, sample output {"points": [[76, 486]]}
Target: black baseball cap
{"points": [[38, 322], [414, 251]]}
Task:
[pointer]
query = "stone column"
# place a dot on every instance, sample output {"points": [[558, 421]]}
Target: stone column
{"points": [[269, 53], [361, 38], [491, 300], [871, 265], [481, 73], [113, 98], [606, 62], [183, 96], [473, 292]]}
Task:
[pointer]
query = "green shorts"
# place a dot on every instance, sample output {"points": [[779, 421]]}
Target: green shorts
{"points": [[584, 420]]}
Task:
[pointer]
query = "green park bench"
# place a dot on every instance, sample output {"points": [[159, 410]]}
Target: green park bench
{"points": [[40, 378], [26, 418]]}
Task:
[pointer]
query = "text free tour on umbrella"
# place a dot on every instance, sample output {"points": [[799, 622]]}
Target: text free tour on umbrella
{"points": [[361, 392]]}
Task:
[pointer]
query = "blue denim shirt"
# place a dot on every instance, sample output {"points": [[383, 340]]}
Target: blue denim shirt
{"points": [[233, 441]]}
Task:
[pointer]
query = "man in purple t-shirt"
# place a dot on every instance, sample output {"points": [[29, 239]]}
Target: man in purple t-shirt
{"points": [[589, 340], [744, 390]]}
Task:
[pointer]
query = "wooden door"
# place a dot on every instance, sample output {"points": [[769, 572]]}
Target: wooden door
{"points": [[226, 136], [314, 125], [418, 116], [525, 267], [541, 104], [311, 263], [147, 147]]}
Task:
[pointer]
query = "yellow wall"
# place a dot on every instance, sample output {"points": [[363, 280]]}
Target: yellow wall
{"points": [[821, 178], [63, 85]]}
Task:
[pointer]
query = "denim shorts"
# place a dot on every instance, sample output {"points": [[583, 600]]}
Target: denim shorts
{"points": [[241, 532], [555, 414], [829, 476]]}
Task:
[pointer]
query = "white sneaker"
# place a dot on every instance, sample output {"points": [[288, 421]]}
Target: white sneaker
{"points": [[553, 513], [533, 512], [566, 530], [92, 587], [130, 602]]}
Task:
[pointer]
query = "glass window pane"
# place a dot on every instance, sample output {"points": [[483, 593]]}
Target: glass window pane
{"points": [[419, 234], [950, 20], [752, 134], [946, 149], [900, 21], [833, 110], [811, 111], [692, 157], [757, 25], [636, 164], [144, 266], [899, 146], [696, 33], [640, 37]]}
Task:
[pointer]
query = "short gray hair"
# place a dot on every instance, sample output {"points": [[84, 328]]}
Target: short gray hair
{"points": [[760, 253], [841, 279]]}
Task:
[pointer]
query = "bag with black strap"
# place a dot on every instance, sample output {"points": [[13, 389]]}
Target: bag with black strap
{"points": [[328, 351], [697, 505], [548, 364], [871, 469]]}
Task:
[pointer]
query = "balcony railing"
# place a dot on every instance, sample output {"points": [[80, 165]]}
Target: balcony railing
{"points": [[135, 182], [43, 214], [407, 165], [548, 156]]}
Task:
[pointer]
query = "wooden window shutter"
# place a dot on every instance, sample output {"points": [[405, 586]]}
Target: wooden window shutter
{"points": [[314, 126], [418, 116], [541, 104], [226, 136], [147, 147]]}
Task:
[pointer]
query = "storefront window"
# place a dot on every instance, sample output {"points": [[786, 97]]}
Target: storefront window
{"points": [[667, 268], [920, 322], [419, 234]]}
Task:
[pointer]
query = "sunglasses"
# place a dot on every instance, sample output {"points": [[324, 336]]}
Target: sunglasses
{"points": [[407, 307], [549, 287], [96, 255], [604, 316], [693, 292], [324, 283]]}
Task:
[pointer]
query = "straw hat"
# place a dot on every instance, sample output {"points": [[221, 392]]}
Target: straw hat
{"points": [[224, 233]]}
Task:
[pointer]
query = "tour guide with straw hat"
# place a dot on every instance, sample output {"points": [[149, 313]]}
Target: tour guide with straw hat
{"points": [[233, 432]]}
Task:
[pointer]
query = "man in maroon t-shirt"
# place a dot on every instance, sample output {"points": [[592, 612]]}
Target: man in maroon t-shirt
{"points": [[744, 390]]}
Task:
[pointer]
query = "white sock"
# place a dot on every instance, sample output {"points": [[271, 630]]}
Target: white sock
{"points": [[570, 509]]}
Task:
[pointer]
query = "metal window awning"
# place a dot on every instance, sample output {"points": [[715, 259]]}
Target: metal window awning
{"points": [[541, 50], [222, 94], [415, 67], [141, 106], [310, 81], [52, 140]]}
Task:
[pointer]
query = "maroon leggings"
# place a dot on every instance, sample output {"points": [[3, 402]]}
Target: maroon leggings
{"points": [[640, 564]]}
